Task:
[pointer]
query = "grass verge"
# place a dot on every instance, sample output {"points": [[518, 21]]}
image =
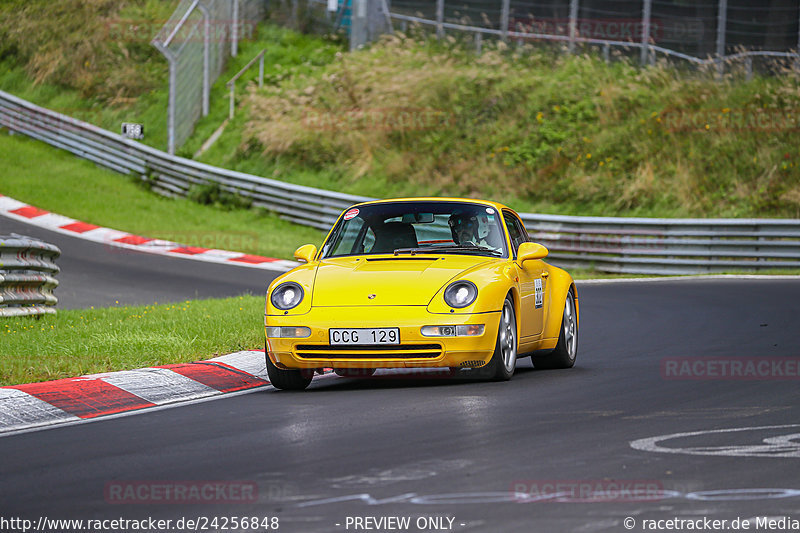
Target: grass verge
{"points": [[87, 341], [57, 181]]}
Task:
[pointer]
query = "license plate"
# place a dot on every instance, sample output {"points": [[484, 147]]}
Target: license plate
{"points": [[365, 336]]}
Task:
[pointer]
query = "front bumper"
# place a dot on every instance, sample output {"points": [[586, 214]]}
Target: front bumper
{"points": [[414, 350]]}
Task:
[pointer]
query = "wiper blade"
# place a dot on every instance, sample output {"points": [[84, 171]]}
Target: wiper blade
{"points": [[431, 249]]}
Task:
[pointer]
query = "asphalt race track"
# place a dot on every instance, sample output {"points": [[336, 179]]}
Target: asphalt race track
{"points": [[487, 455], [96, 275]]}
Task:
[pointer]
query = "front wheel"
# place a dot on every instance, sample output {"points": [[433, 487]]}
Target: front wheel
{"points": [[504, 360], [287, 379], [565, 352]]}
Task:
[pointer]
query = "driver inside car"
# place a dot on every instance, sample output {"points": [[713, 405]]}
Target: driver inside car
{"points": [[473, 230]]}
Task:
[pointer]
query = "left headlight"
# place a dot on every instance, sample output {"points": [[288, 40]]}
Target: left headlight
{"points": [[287, 295], [460, 294]]}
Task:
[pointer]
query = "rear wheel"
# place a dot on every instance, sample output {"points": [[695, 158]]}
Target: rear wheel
{"points": [[502, 364], [287, 379], [565, 352]]}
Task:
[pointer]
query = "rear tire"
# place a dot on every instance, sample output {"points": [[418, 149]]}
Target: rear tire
{"points": [[566, 351], [287, 379], [504, 360]]}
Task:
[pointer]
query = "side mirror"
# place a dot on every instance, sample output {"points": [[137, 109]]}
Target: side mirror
{"points": [[529, 251], [306, 253]]}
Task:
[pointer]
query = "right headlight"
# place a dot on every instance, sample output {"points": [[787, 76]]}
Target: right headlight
{"points": [[460, 294], [287, 295]]}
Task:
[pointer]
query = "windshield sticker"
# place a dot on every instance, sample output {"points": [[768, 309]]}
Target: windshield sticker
{"points": [[353, 213], [490, 211]]}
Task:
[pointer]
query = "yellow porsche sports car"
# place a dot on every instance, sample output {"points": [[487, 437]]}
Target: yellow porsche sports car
{"points": [[420, 282]]}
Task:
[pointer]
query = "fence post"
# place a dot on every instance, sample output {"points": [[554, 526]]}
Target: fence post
{"points": [[173, 85], [261, 71], [478, 42], [232, 104], [504, 18], [378, 21], [235, 30], [358, 24], [573, 24], [646, 8], [722, 22], [797, 50], [384, 7], [206, 56], [439, 19]]}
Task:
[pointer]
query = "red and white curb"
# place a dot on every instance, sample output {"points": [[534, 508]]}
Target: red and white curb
{"points": [[38, 405], [39, 217]]}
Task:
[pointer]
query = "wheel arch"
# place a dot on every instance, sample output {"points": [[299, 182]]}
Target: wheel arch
{"points": [[561, 283]]}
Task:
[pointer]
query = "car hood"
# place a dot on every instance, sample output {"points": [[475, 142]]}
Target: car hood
{"points": [[393, 280]]}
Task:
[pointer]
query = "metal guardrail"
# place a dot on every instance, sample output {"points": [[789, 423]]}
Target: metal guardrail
{"points": [[27, 267], [170, 175], [632, 245], [668, 246]]}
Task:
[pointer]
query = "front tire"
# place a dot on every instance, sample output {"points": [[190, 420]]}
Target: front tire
{"points": [[287, 379], [504, 360], [566, 351]]}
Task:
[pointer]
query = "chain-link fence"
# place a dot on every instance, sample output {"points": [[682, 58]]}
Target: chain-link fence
{"points": [[701, 32], [197, 40]]}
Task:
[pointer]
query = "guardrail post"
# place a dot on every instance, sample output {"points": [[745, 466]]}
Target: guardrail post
{"points": [[439, 19], [607, 52], [573, 24], [748, 67], [479, 42], [722, 22], [504, 19], [645, 52]]}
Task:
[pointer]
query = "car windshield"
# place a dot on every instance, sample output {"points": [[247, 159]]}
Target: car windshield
{"points": [[411, 228]]}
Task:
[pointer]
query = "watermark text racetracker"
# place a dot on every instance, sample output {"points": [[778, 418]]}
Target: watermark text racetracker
{"points": [[189, 240], [588, 490], [194, 524], [729, 119], [180, 492], [133, 30], [731, 368], [377, 119]]}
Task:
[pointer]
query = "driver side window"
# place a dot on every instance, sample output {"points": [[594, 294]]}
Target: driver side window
{"points": [[515, 231]]}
